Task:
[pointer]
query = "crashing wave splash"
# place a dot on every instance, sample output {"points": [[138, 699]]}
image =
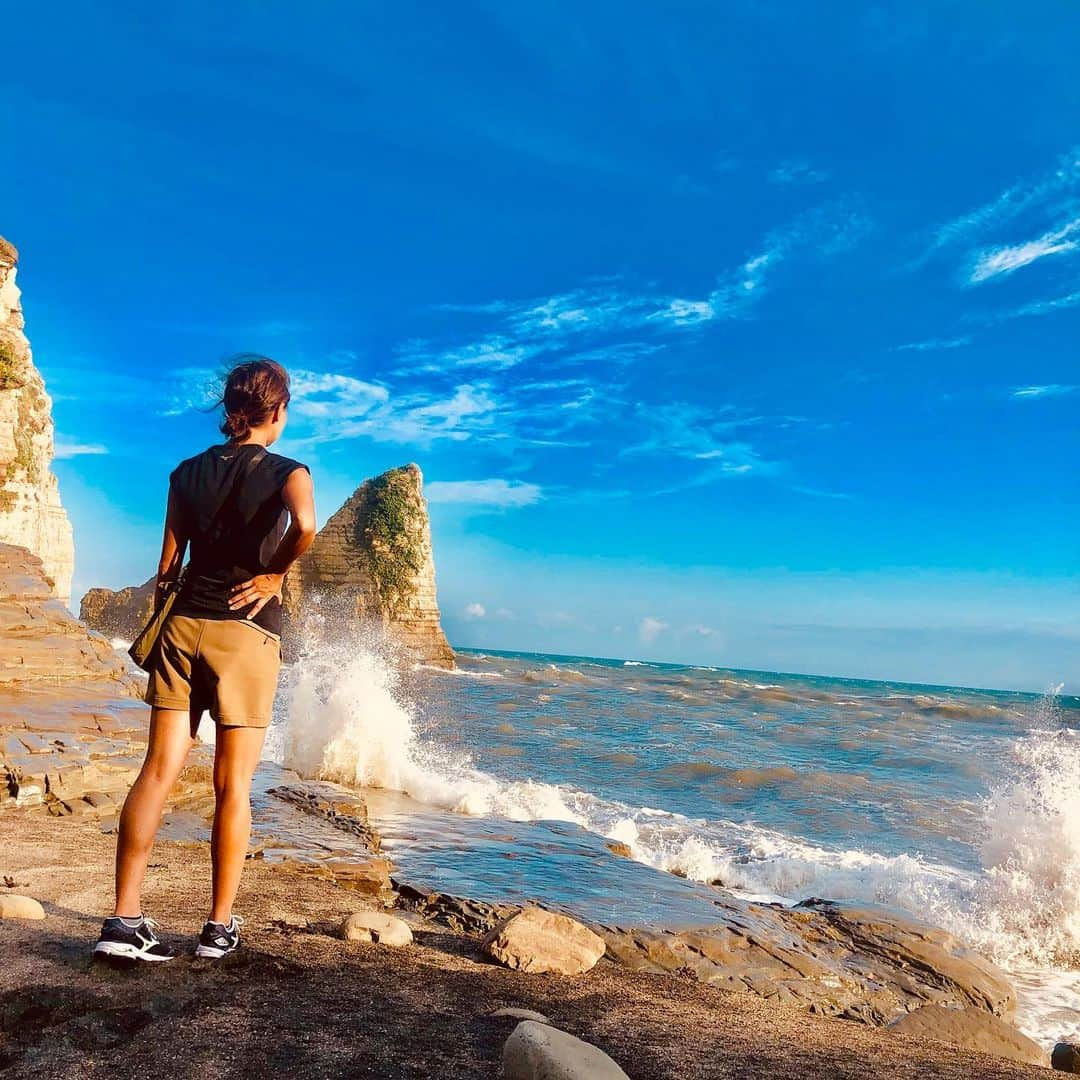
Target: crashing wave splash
{"points": [[348, 719]]}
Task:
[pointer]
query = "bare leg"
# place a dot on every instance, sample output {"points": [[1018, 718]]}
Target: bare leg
{"points": [[170, 741], [237, 755]]}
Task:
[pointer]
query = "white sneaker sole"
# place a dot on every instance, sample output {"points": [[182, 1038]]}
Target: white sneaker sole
{"points": [[210, 952], [131, 952]]}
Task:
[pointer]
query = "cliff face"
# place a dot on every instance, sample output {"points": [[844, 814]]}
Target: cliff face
{"points": [[119, 614], [373, 557], [30, 512], [375, 554]]}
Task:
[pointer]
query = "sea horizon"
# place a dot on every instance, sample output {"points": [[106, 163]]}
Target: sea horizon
{"points": [[1061, 691]]}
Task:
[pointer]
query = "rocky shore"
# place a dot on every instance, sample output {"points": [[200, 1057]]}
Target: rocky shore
{"points": [[301, 1001], [747, 994]]}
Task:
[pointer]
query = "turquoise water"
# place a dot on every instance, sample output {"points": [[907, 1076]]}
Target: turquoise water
{"points": [[508, 779]]}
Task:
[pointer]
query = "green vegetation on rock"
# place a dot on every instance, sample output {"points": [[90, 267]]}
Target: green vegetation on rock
{"points": [[390, 527], [12, 367]]}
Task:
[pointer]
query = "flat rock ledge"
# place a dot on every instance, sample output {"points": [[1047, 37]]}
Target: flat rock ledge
{"points": [[858, 962], [971, 1029], [72, 728], [537, 1051]]}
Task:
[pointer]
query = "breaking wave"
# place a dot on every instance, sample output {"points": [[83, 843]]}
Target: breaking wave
{"points": [[347, 717]]}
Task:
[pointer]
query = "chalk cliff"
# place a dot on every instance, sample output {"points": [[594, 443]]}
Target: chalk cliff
{"points": [[371, 561], [375, 554], [31, 515]]}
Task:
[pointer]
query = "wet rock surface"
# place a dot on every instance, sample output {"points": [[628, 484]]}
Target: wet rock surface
{"points": [[1066, 1057], [857, 962]]}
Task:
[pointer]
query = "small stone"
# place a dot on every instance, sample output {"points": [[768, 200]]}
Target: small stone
{"points": [[539, 1052], [520, 1014], [535, 940], [617, 847], [1066, 1057], [376, 926], [13, 906]]}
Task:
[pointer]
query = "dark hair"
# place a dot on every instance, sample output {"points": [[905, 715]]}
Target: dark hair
{"points": [[254, 387]]}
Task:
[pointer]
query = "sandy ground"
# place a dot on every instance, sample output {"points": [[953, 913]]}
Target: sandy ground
{"points": [[298, 1002]]}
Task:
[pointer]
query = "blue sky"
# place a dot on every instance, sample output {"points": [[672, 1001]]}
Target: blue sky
{"points": [[735, 334]]}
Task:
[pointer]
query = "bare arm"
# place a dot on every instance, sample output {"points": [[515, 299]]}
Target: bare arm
{"points": [[299, 498], [173, 544]]}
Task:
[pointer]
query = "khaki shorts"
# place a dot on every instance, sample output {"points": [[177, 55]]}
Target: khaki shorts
{"points": [[229, 666]]}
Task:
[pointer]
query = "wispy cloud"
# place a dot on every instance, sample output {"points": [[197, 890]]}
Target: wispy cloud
{"points": [[474, 611], [934, 344], [993, 262], [712, 438], [64, 449], [495, 492], [1062, 181], [579, 319], [1039, 307], [650, 628], [797, 172], [821, 493], [1030, 393]]}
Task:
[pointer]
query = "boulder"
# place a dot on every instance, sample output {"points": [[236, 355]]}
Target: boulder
{"points": [[13, 906], [515, 1013], [971, 1029], [538, 1052], [535, 940], [1066, 1057], [376, 926]]}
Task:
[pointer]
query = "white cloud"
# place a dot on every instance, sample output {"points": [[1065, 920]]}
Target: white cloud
{"points": [[333, 396], [797, 172], [1004, 260], [475, 611], [495, 492], [706, 631], [418, 419], [64, 449], [1029, 393], [650, 628], [933, 344]]}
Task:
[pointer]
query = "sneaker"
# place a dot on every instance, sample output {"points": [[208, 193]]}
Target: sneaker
{"points": [[131, 939], [218, 940]]}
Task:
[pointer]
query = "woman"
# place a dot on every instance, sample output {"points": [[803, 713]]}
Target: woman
{"points": [[220, 649]]}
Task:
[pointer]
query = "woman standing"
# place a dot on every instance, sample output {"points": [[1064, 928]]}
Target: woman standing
{"points": [[220, 649]]}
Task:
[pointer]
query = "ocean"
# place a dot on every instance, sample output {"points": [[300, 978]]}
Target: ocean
{"points": [[509, 778]]}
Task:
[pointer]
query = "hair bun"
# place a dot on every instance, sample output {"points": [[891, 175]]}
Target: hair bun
{"points": [[254, 387]]}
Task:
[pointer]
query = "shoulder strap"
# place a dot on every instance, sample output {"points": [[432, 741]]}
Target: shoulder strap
{"points": [[216, 527]]}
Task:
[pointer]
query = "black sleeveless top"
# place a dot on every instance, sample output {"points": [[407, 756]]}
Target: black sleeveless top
{"points": [[248, 530]]}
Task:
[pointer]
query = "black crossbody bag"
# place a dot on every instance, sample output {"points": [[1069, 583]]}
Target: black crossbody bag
{"points": [[143, 648]]}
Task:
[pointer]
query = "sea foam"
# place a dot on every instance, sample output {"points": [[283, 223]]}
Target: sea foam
{"points": [[347, 718]]}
